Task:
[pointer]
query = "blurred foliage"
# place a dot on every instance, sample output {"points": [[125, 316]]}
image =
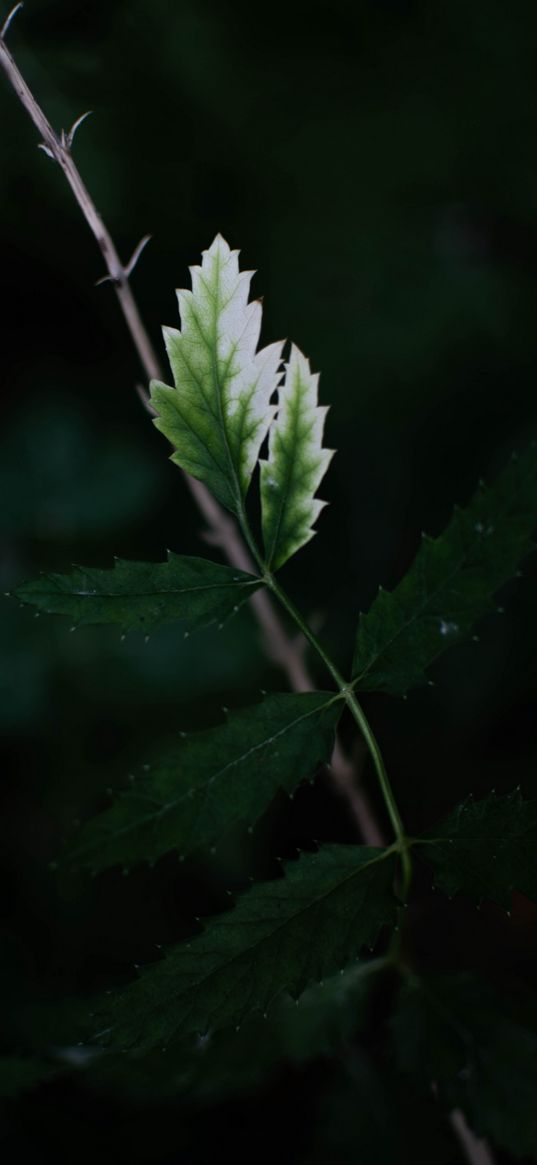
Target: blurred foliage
{"points": [[443, 1032], [376, 162]]}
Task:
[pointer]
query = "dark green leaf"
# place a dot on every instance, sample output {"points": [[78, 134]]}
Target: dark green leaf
{"points": [[281, 936], [479, 1049], [450, 584], [19, 1074], [215, 779], [229, 1062], [143, 595], [486, 849]]}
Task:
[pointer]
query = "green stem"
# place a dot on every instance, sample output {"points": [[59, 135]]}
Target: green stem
{"points": [[352, 703], [365, 728], [386, 789], [306, 631]]}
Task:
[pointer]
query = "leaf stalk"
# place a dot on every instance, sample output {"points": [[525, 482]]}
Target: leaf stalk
{"points": [[358, 714]]}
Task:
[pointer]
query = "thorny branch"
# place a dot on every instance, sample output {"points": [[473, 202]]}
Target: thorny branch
{"points": [[221, 529]]}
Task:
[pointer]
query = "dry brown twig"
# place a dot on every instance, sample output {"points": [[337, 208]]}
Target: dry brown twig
{"points": [[221, 530]]}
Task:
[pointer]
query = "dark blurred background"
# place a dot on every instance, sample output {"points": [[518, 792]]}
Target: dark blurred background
{"points": [[376, 162]]}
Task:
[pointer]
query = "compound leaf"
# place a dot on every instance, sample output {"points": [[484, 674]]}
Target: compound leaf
{"points": [[143, 595], [219, 411], [215, 779], [296, 464], [281, 936], [450, 584], [486, 848]]}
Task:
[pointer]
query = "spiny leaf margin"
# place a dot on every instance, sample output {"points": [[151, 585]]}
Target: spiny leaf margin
{"points": [[281, 936], [216, 779], [218, 414], [143, 595], [295, 465], [485, 849], [450, 584], [237, 1063]]}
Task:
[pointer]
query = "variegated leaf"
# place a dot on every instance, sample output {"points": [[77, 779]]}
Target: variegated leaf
{"points": [[219, 412], [295, 466]]}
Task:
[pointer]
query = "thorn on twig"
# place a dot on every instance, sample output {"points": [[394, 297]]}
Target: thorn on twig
{"points": [[46, 150], [10, 16], [136, 255], [67, 139], [125, 272], [108, 279]]}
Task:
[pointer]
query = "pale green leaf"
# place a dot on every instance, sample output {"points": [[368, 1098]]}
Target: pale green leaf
{"points": [[486, 849], [281, 937], [143, 595], [295, 466], [219, 411], [215, 779], [450, 584]]}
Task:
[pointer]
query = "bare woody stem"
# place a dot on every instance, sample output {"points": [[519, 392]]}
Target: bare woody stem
{"points": [[221, 529], [60, 150]]}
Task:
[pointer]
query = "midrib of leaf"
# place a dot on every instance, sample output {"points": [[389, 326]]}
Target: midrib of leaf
{"points": [[312, 902], [169, 805], [232, 470], [381, 857], [150, 594], [213, 294], [421, 608], [284, 493]]}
